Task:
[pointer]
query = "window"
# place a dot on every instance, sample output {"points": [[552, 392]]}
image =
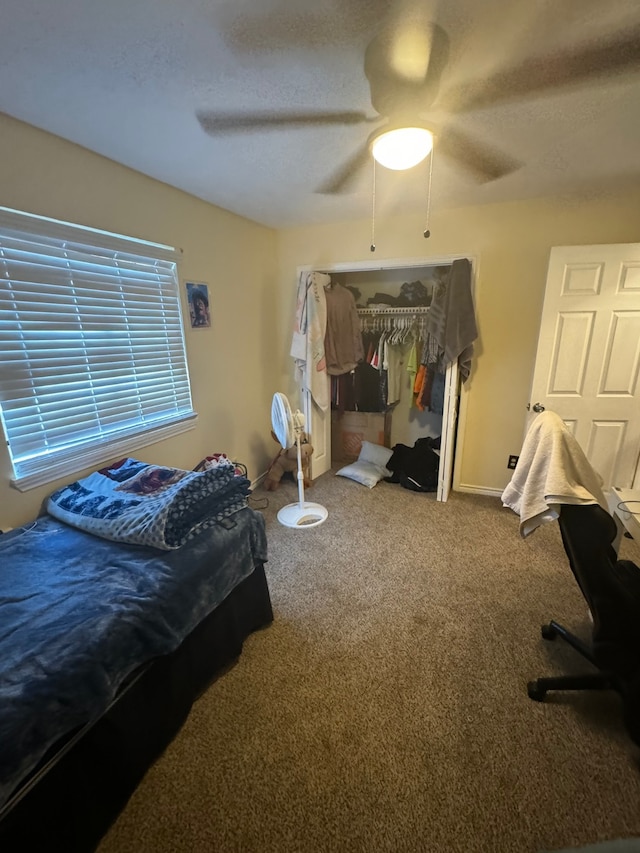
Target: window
{"points": [[92, 356]]}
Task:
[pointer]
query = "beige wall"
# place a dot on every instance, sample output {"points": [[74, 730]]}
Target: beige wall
{"points": [[510, 244], [232, 376], [236, 366]]}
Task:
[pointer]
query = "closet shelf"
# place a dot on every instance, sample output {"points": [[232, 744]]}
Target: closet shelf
{"points": [[415, 311]]}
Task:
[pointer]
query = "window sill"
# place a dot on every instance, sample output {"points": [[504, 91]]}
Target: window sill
{"points": [[101, 455]]}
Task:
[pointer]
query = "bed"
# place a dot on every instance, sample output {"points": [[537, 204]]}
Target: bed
{"points": [[104, 645]]}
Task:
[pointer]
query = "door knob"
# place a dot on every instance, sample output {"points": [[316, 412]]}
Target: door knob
{"points": [[537, 407]]}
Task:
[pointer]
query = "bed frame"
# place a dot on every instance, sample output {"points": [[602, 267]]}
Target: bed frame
{"points": [[68, 803]]}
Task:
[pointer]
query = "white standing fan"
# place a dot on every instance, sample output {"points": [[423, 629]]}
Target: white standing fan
{"points": [[288, 428]]}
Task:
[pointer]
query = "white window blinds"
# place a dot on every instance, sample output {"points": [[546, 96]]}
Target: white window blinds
{"points": [[92, 357]]}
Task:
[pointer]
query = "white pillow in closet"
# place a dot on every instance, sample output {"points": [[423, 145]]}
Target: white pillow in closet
{"points": [[376, 454], [370, 467]]}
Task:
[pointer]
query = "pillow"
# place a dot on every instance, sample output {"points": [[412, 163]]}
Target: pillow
{"points": [[376, 454], [364, 472]]}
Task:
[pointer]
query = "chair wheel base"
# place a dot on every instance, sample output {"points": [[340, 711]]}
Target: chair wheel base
{"points": [[548, 632], [536, 692]]}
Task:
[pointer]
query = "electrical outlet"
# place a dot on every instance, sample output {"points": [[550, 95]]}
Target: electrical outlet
{"points": [[513, 461]]}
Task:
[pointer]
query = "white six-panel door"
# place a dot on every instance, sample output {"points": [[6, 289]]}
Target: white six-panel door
{"points": [[588, 359]]}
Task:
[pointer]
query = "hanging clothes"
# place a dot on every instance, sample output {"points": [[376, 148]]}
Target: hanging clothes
{"points": [[451, 319], [343, 340], [394, 355], [436, 404], [433, 359], [412, 363], [383, 370], [307, 345], [343, 393], [367, 388], [418, 387]]}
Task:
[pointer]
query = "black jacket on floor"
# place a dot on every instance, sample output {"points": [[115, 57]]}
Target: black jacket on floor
{"points": [[416, 467]]}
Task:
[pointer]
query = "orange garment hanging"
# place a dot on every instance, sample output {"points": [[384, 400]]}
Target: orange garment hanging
{"points": [[418, 386]]}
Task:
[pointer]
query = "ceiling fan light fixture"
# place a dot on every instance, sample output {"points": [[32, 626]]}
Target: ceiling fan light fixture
{"points": [[402, 147]]}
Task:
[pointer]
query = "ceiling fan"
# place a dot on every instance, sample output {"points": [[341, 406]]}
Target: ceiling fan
{"points": [[404, 66]]}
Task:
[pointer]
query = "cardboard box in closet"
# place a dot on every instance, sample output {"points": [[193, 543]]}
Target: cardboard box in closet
{"points": [[350, 429]]}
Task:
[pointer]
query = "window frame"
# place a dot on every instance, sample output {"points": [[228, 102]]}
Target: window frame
{"points": [[68, 260]]}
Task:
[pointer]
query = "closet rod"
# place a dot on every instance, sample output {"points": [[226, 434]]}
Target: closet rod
{"points": [[421, 309]]}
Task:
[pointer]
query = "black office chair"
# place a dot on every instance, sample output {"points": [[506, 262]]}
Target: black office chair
{"points": [[611, 588]]}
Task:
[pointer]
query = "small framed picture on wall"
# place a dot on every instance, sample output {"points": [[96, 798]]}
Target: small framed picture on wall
{"points": [[198, 298]]}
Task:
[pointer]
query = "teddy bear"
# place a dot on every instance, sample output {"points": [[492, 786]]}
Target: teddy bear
{"points": [[287, 460]]}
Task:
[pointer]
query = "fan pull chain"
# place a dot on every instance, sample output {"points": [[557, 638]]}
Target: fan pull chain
{"points": [[373, 209], [426, 233]]}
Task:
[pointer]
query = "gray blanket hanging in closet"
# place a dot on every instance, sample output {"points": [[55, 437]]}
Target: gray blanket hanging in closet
{"points": [[451, 319]]}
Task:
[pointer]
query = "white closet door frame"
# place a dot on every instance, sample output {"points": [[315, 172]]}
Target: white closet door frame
{"points": [[455, 405]]}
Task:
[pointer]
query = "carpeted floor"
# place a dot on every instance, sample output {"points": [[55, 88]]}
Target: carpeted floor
{"points": [[386, 707]]}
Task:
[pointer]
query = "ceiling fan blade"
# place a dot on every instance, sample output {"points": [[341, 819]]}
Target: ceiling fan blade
{"points": [[600, 59], [342, 178], [214, 122], [484, 162]]}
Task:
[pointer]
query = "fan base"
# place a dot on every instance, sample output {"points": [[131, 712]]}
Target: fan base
{"points": [[307, 515]]}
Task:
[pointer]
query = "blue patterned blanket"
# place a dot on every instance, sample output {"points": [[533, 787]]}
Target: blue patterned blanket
{"points": [[151, 505], [79, 613]]}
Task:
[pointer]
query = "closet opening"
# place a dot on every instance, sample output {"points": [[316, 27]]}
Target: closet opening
{"points": [[390, 397]]}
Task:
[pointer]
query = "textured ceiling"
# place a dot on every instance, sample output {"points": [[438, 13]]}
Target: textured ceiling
{"points": [[127, 78]]}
